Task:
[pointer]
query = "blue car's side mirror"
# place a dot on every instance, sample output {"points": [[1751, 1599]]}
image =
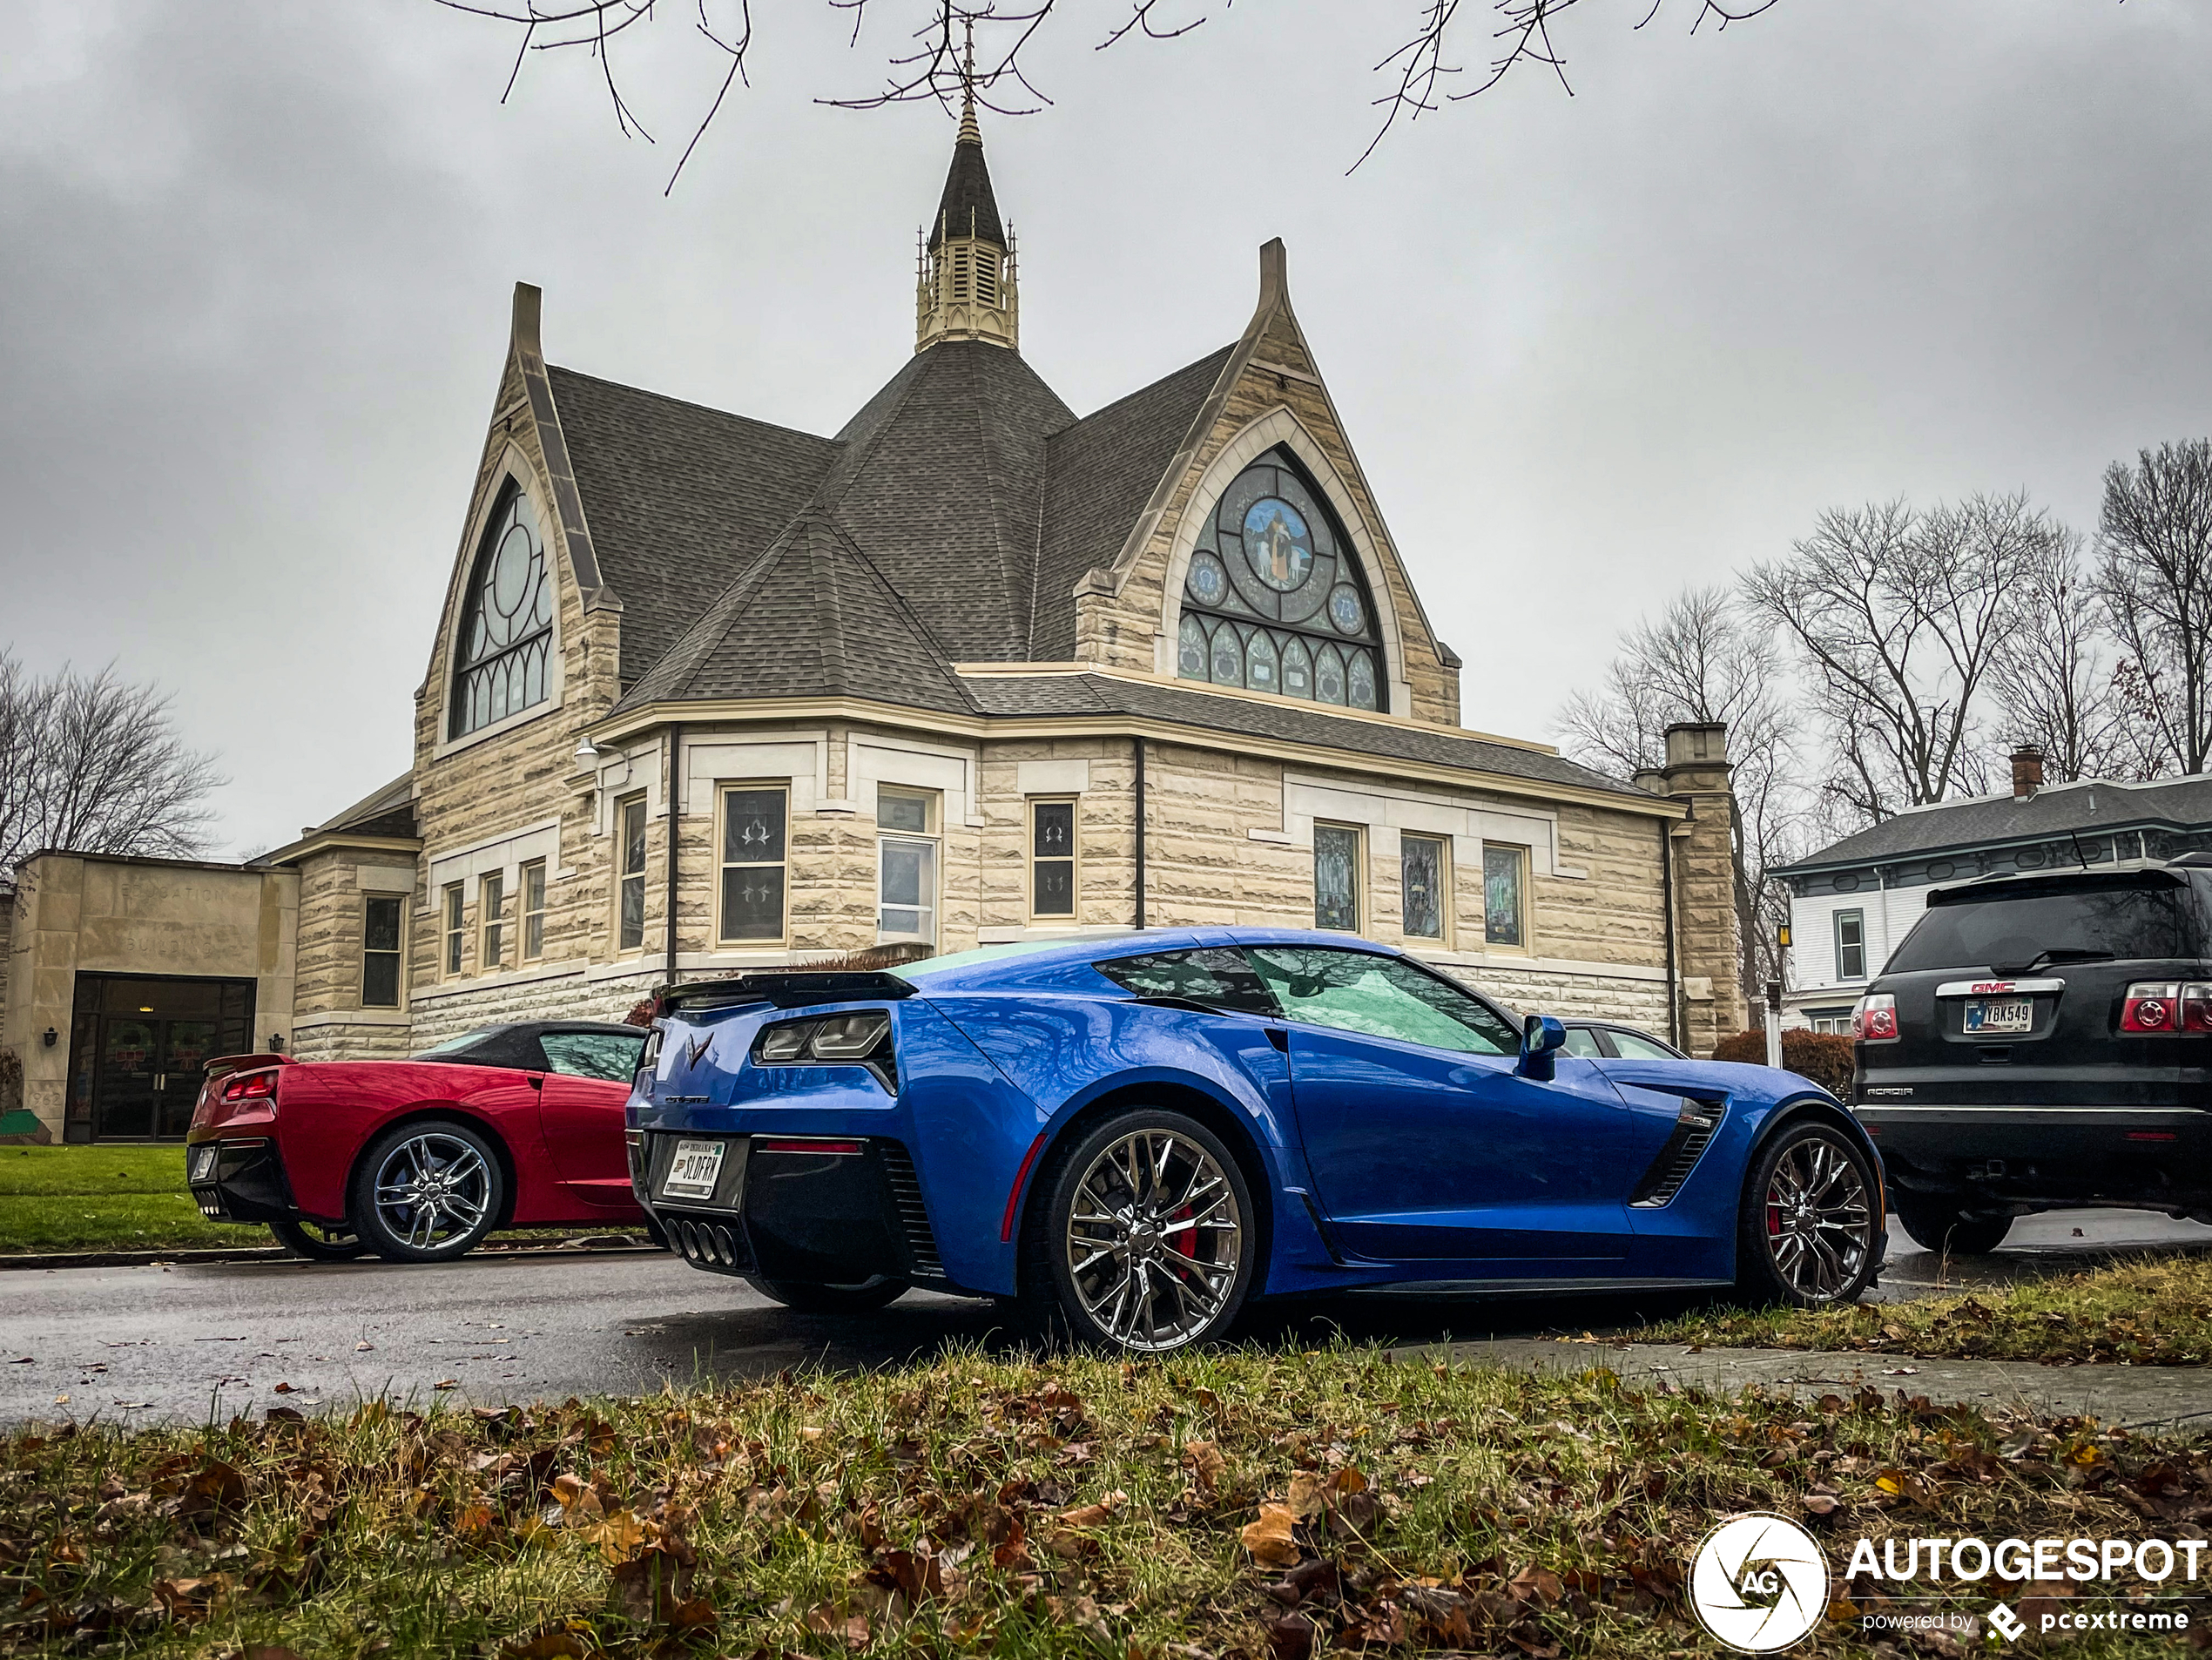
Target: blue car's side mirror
{"points": [[1541, 1038]]}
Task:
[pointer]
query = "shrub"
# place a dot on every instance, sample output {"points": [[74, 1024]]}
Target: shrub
{"points": [[1824, 1057]]}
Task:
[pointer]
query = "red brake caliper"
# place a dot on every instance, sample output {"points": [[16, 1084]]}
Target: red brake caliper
{"points": [[1187, 1240]]}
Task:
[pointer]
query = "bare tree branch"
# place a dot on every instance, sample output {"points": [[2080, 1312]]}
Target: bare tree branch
{"points": [[2155, 577], [91, 765], [935, 69]]}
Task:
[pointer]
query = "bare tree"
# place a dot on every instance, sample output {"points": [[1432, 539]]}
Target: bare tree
{"points": [[939, 64], [1900, 617], [93, 764], [2054, 675], [1704, 659], [2154, 577]]}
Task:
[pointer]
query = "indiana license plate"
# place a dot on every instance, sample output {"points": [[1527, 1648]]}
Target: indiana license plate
{"points": [[203, 1162], [694, 1171], [1993, 1015]]}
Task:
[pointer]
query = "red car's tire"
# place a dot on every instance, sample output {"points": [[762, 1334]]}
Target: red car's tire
{"points": [[315, 1243], [428, 1191]]}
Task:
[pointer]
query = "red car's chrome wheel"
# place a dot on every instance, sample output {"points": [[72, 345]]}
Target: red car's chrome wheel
{"points": [[428, 1191]]}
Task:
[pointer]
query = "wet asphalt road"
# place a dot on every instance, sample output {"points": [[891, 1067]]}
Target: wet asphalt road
{"points": [[188, 1342]]}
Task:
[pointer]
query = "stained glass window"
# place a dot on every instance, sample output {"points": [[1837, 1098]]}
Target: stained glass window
{"points": [[1052, 858], [1274, 599], [1422, 869], [1503, 870], [753, 864], [506, 640], [1336, 877]]}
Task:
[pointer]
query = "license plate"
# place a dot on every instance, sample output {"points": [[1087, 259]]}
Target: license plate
{"points": [[1998, 1014], [203, 1162], [694, 1171]]}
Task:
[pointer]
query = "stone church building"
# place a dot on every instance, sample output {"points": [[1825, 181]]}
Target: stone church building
{"points": [[707, 693]]}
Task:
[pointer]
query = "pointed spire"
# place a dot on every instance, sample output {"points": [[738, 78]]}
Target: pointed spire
{"points": [[968, 289], [969, 133]]}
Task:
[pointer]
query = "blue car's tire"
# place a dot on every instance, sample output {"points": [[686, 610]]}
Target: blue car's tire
{"points": [[1144, 1236], [1810, 1233]]}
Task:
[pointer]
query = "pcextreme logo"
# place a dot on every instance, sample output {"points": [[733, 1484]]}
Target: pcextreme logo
{"points": [[1758, 1582]]}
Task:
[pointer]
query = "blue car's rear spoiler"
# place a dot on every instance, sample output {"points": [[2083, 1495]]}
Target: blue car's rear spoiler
{"points": [[785, 988]]}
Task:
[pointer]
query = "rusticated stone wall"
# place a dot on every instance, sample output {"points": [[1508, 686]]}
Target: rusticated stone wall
{"points": [[328, 1021]]}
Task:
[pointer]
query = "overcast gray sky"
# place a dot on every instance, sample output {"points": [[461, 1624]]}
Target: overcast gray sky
{"points": [[255, 261]]}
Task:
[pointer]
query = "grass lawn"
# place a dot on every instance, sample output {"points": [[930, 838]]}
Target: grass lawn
{"points": [[1276, 1506], [114, 1197], [2150, 1312], [120, 1197]]}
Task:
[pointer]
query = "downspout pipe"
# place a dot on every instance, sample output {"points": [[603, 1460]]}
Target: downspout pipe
{"points": [[675, 798], [1666, 901], [1140, 832]]}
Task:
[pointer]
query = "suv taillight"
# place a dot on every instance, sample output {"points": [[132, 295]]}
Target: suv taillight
{"points": [[1875, 1019], [2166, 1008], [250, 1086]]}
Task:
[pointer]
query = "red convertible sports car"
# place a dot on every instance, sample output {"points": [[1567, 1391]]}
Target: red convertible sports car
{"points": [[516, 1126]]}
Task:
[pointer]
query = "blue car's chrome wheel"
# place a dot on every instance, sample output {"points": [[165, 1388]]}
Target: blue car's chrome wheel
{"points": [[1153, 1239]]}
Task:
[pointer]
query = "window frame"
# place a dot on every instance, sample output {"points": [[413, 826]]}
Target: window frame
{"points": [[514, 488], [1033, 861], [1360, 876], [623, 875], [524, 951], [932, 837], [1521, 855], [491, 922], [452, 931], [724, 789], [398, 954], [1446, 910], [1856, 914]]}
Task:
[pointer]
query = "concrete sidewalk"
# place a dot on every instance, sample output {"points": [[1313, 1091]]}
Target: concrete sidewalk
{"points": [[2138, 1397]]}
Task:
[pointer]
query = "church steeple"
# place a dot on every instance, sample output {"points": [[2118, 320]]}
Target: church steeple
{"points": [[966, 287]]}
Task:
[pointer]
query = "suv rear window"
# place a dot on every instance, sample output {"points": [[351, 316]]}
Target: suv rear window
{"points": [[2009, 935]]}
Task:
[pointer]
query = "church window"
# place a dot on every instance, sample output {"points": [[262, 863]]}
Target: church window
{"points": [[381, 921], [1504, 883], [753, 843], [629, 888], [1274, 599], [1052, 858], [907, 864], [504, 648], [491, 916], [1424, 879], [456, 933], [533, 919], [1336, 877]]}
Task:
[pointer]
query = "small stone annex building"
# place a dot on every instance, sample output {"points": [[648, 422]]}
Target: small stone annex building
{"points": [[974, 669]]}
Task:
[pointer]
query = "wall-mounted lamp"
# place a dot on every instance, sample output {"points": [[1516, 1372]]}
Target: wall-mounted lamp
{"points": [[276, 1042], [51, 1037], [587, 753]]}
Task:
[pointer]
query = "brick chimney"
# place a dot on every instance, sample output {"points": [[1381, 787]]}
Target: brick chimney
{"points": [[2027, 772]]}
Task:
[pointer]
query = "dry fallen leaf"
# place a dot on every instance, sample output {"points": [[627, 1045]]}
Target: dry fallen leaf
{"points": [[1092, 1515], [1206, 1465], [1270, 1538]]}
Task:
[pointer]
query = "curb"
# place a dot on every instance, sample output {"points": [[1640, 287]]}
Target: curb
{"points": [[277, 1253]]}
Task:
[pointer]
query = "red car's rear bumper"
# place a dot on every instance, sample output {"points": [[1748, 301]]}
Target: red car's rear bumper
{"points": [[239, 1178]]}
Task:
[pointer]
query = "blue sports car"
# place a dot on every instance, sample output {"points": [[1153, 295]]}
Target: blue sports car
{"points": [[1135, 1136]]}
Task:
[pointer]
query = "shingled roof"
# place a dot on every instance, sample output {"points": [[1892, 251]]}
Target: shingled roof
{"points": [[679, 497], [2102, 805]]}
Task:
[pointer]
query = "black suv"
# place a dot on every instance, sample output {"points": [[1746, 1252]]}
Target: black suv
{"points": [[2039, 1042]]}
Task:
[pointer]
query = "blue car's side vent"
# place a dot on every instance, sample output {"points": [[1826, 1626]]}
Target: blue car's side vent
{"points": [[914, 1215], [1692, 1132]]}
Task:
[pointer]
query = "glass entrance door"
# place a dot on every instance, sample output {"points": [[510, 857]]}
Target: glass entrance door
{"points": [[140, 1047]]}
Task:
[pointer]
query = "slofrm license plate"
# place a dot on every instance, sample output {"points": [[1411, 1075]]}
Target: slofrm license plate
{"points": [[1993, 1015], [694, 1171], [203, 1162]]}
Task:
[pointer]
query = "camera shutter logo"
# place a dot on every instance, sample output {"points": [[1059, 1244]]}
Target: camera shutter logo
{"points": [[1759, 1583]]}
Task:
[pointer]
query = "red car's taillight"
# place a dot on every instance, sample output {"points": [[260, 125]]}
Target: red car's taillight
{"points": [[2166, 1008], [250, 1086], [1875, 1019]]}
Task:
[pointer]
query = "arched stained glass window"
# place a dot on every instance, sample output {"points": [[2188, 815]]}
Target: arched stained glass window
{"points": [[505, 645], [1274, 599]]}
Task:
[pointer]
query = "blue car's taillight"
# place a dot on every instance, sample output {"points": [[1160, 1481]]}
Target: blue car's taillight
{"points": [[862, 1039]]}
